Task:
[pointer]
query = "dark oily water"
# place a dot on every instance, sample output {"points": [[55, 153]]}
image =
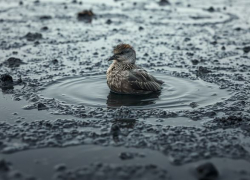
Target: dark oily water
{"points": [[177, 93]]}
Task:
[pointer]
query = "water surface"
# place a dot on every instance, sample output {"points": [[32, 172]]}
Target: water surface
{"points": [[177, 93]]}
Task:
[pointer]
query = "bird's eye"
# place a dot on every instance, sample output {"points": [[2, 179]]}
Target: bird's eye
{"points": [[121, 53]]}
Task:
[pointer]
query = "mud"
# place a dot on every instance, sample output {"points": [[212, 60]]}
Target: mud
{"points": [[56, 109]]}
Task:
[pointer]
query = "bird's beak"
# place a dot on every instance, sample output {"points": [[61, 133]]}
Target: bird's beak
{"points": [[114, 57]]}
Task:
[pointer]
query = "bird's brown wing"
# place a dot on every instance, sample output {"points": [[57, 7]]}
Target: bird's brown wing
{"points": [[139, 79]]}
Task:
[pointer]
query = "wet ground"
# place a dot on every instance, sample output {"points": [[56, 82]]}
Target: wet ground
{"points": [[59, 120]]}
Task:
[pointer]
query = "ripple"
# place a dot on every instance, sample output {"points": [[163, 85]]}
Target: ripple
{"points": [[177, 93]]}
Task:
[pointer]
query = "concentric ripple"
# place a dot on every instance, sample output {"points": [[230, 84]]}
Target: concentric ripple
{"points": [[177, 93]]}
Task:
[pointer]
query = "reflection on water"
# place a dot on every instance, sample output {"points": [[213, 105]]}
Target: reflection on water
{"points": [[117, 100], [121, 123]]}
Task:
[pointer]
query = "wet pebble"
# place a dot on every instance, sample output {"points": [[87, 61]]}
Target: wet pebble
{"points": [[45, 17], [13, 62], [207, 171], [6, 79], [193, 105], [85, 15], [60, 167], [246, 49], [164, 2], [126, 156], [33, 36], [41, 106], [45, 28], [109, 21], [141, 28]]}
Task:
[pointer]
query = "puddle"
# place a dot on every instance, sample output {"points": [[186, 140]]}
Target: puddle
{"points": [[177, 93], [42, 162], [12, 111]]}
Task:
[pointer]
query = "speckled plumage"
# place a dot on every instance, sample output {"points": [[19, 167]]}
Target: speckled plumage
{"points": [[125, 77]]}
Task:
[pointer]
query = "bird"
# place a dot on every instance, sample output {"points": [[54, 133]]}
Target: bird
{"points": [[125, 77]]}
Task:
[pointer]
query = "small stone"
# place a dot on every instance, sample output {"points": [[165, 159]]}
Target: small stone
{"points": [[13, 62], [45, 28], [41, 106], [33, 36], [6, 78], [55, 61], [211, 9], [193, 104], [246, 49], [109, 21], [207, 171], [45, 17], [60, 167], [194, 61], [203, 70], [126, 156], [141, 28], [164, 2], [85, 15], [187, 39]]}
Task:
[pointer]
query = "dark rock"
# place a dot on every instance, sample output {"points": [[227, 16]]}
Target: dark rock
{"points": [[86, 15], [141, 28], [109, 21], [126, 156], [4, 166], [207, 171], [238, 29], [246, 49], [60, 167], [41, 106], [194, 61], [13, 62], [45, 28], [55, 61], [36, 42], [6, 78], [203, 70], [33, 36], [190, 54], [211, 9], [231, 119], [193, 104], [164, 2], [45, 17], [6, 82]]}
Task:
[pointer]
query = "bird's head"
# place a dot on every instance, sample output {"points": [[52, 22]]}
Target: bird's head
{"points": [[124, 53]]}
